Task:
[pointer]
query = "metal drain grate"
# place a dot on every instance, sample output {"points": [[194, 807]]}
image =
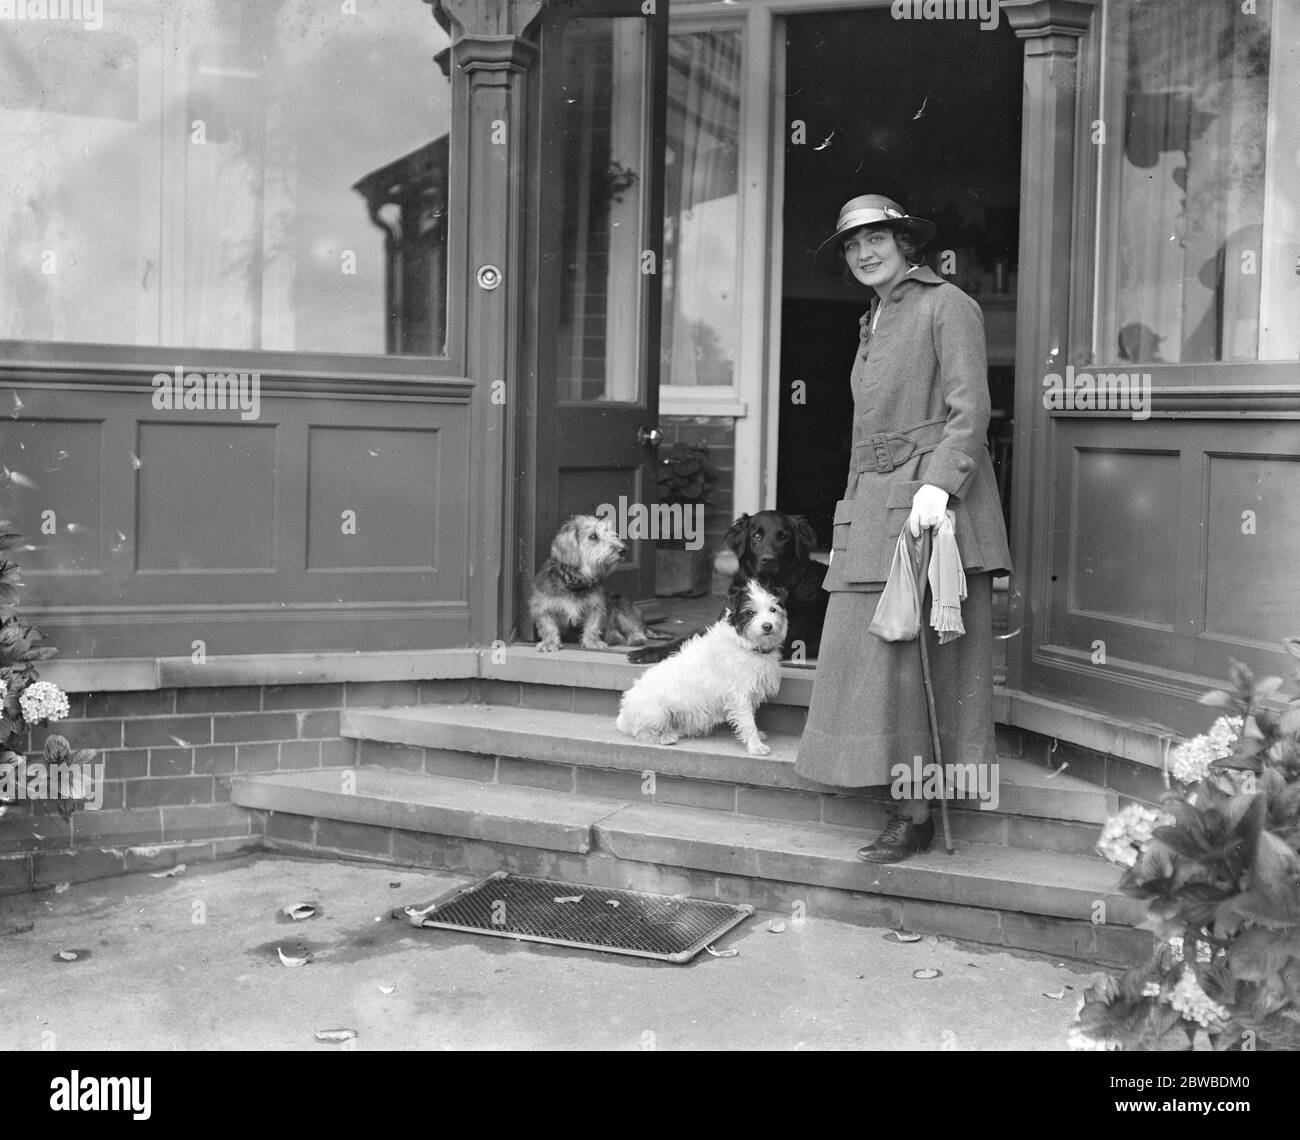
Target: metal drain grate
{"points": [[620, 922]]}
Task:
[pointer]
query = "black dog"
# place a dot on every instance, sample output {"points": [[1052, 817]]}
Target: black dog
{"points": [[774, 548]]}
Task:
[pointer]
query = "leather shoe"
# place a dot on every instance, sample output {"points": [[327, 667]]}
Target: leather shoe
{"points": [[900, 839]]}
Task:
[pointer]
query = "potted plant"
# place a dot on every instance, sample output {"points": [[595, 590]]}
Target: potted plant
{"points": [[686, 480], [1220, 871]]}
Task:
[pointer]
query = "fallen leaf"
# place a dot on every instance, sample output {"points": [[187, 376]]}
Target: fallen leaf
{"points": [[1056, 996], [179, 869], [388, 989], [68, 955], [902, 936], [926, 975], [334, 1035], [59, 888], [775, 927], [722, 953], [285, 960], [395, 884], [612, 902], [568, 898], [300, 911]]}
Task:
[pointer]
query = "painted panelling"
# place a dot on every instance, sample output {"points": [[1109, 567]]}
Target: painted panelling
{"points": [[1124, 511], [1252, 530], [1173, 550], [336, 519]]}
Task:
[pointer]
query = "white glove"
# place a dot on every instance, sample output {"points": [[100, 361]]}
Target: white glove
{"points": [[928, 506]]}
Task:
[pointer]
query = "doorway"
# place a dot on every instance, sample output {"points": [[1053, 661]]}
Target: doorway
{"points": [[894, 107]]}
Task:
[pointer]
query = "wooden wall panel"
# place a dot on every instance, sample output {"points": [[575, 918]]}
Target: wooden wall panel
{"points": [[201, 501], [57, 465], [193, 526], [1157, 582], [371, 499], [1252, 527], [1125, 505]]}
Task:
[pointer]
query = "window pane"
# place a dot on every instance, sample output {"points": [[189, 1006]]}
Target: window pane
{"points": [[1204, 196], [701, 208], [603, 147], [243, 174]]}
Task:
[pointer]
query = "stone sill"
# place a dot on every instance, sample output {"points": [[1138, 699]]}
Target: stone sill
{"points": [[111, 675], [1139, 743]]}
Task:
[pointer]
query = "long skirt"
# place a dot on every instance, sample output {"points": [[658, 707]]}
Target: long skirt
{"points": [[868, 709]]}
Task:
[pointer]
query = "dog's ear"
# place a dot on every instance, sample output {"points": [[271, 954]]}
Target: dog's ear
{"points": [[737, 536], [737, 599], [779, 593], [564, 546], [805, 538]]}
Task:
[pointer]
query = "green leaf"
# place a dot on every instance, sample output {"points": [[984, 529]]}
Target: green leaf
{"points": [[1217, 698], [1266, 688], [1257, 954]]}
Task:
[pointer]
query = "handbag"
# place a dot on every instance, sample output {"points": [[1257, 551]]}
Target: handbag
{"points": [[898, 613]]}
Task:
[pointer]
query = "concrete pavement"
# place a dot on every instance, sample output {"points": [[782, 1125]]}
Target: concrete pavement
{"points": [[191, 963]]}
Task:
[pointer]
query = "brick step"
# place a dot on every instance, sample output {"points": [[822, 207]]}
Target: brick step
{"points": [[586, 754], [1029, 900]]}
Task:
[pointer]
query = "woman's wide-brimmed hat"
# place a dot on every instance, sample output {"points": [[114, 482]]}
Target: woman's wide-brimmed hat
{"points": [[869, 210]]}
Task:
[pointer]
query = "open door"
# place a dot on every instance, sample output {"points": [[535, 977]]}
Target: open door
{"points": [[603, 75]]}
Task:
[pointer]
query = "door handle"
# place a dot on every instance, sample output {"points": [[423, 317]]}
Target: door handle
{"points": [[649, 437]]}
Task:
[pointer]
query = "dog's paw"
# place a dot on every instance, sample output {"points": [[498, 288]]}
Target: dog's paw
{"points": [[666, 738], [594, 643], [758, 748], [547, 646]]}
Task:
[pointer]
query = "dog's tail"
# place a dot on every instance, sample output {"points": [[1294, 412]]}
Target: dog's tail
{"points": [[652, 654]]}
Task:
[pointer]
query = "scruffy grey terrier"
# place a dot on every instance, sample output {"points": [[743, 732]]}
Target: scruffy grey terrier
{"points": [[568, 602]]}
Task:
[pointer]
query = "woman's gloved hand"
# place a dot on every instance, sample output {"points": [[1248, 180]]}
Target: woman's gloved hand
{"points": [[928, 506]]}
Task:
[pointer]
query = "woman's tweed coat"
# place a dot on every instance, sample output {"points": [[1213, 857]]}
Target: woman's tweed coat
{"points": [[921, 401]]}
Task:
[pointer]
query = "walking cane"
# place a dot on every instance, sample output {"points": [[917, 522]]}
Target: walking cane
{"points": [[928, 685]]}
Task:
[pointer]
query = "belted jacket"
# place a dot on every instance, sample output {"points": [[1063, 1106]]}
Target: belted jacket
{"points": [[920, 415]]}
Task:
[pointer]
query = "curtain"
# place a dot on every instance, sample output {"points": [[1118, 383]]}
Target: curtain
{"points": [[1191, 188], [701, 204]]}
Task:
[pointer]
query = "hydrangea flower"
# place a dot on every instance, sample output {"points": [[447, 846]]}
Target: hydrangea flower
{"points": [[1126, 835], [1190, 762], [1195, 1004], [42, 700], [4, 689]]}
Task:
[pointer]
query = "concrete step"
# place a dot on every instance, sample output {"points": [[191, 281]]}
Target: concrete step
{"points": [[1030, 900], [980, 874], [585, 753], [432, 804]]}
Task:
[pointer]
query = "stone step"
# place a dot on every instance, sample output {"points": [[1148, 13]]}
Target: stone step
{"points": [[1029, 900], [431, 804], [980, 874], [584, 753]]}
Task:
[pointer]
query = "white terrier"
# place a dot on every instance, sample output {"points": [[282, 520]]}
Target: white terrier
{"points": [[722, 674]]}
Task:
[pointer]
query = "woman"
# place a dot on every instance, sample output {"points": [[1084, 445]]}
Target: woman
{"points": [[921, 414]]}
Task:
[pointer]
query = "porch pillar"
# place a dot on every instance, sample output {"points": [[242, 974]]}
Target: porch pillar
{"points": [[491, 56], [1054, 136]]}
